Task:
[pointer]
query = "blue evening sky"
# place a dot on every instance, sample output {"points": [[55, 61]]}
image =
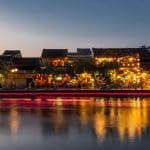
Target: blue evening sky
{"points": [[31, 25]]}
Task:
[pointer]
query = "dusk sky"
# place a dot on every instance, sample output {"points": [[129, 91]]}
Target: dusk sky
{"points": [[31, 25]]}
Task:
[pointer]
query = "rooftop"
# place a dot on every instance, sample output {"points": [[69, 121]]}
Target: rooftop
{"points": [[115, 52], [14, 53], [84, 51], [54, 53], [27, 63]]}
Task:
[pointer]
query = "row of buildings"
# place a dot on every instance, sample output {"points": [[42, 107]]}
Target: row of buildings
{"points": [[87, 68]]}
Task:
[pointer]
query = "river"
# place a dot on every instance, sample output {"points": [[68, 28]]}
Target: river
{"points": [[75, 123]]}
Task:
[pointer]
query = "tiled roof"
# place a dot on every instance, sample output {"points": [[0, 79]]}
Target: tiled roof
{"points": [[54, 53], [27, 62], [12, 53], [6, 58], [72, 53], [84, 51], [115, 52]]}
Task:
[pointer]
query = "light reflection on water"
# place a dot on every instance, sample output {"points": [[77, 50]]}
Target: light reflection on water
{"points": [[102, 123]]}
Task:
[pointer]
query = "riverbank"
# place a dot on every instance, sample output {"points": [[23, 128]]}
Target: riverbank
{"points": [[45, 94]]}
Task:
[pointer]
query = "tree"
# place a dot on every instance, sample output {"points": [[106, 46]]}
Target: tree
{"points": [[70, 69], [105, 68], [85, 65], [4, 68]]}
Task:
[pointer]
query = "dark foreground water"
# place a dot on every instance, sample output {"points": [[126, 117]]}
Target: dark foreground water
{"points": [[69, 124]]}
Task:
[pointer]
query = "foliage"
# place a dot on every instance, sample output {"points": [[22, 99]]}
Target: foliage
{"points": [[85, 65], [4, 68], [105, 68]]}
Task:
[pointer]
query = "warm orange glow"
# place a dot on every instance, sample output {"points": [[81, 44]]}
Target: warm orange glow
{"points": [[130, 122], [14, 70], [14, 121], [100, 126]]}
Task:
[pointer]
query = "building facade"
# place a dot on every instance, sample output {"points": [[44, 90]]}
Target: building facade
{"points": [[115, 67]]}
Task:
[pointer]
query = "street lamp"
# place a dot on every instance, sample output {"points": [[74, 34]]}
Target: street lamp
{"points": [[14, 71]]}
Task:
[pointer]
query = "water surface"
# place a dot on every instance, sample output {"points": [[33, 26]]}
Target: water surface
{"points": [[75, 123]]}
